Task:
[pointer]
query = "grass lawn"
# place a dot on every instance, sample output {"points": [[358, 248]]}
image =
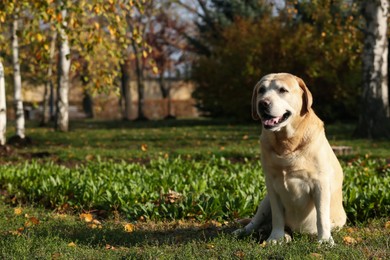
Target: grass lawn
{"points": [[49, 220]]}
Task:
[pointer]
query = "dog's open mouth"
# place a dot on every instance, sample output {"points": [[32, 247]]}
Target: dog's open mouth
{"points": [[273, 121]]}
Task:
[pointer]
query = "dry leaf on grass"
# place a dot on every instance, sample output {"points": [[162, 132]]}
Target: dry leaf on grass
{"points": [[31, 221], [387, 225], [72, 244], [129, 227], [87, 217], [144, 147], [349, 240], [18, 211]]}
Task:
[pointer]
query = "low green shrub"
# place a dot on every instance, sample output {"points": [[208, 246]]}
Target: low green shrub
{"points": [[177, 188]]}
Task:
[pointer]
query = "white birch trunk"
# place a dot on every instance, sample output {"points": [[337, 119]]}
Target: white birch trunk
{"points": [[375, 95], [18, 101], [62, 120], [3, 108]]}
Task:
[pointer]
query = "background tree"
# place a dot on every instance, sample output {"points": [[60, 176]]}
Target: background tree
{"points": [[374, 118], [169, 47], [316, 40], [3, 106], [62, 114]]}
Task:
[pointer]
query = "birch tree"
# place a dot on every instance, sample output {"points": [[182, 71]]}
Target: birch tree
{"points": [[375, 113], [18, 101], [3, 111], [62, 113]]}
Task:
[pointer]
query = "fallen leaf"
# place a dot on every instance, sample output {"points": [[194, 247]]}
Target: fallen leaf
{"points": [[349, 240], [129, 227], [110, 247], [240, 254], [96, 222], [87, 217], [144, 147], [210, 246], [34, 220], [387, 225], [31, 221], [316, 256], [15, 233], [89, 157], [94, 226], [72, 244], [18, 211], [55, 256]]}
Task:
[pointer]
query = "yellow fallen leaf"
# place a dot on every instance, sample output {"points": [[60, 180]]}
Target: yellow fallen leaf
{"points": [[72, 244], [15, 233], [349, 240], [18, 211], [210, 246], [387, 225], [129, 227], [87, 217]]}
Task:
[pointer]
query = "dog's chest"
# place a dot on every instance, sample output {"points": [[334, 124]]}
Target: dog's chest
{"points": [[290, 177]]}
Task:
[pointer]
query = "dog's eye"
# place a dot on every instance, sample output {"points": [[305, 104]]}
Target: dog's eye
{"points": [[262, 90], [283, 90]]}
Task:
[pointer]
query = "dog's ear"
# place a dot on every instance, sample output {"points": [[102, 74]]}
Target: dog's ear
{"points": [[307, 96], [255, 115]]}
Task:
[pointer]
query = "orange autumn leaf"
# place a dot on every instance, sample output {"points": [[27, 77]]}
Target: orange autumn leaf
{"points": [[349, 240], [144, 147], [31, 221], [129, 227], [87, 217]]}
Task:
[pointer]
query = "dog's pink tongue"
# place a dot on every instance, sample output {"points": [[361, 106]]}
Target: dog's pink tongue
{"points": [[272, 121]]}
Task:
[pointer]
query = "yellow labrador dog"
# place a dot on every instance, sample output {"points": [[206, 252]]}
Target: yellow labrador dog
{"points": [[303, 176]]}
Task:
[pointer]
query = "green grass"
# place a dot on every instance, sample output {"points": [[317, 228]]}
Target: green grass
{"points": [[124, 172]]}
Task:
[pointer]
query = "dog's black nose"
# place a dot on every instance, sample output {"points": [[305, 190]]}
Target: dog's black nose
{"points": [[264, 104]]}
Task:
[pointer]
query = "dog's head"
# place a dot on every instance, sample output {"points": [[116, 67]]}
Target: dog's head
{"points": [[278, 99]]}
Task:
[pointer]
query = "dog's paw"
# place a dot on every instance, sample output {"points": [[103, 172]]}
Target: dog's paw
{"points": [[277, 240], [241, 232], [327, 241]]}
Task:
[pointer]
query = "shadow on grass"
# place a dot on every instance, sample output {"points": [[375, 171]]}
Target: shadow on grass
{"points": [[96, 124], [116, 236]]}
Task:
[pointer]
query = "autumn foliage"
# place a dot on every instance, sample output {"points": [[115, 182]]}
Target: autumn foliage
{"points": [[318, 42]]}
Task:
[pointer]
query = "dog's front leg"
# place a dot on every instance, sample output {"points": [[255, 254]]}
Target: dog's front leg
{"points": [[277, 235], [322, 204], [262, 215]]}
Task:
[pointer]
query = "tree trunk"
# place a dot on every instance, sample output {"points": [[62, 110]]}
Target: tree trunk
{"points": [[3, 108], [140, 83], [126, 91], [62, 115], [374, 117], [165, 89], [47, 113], [18, 102]]}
